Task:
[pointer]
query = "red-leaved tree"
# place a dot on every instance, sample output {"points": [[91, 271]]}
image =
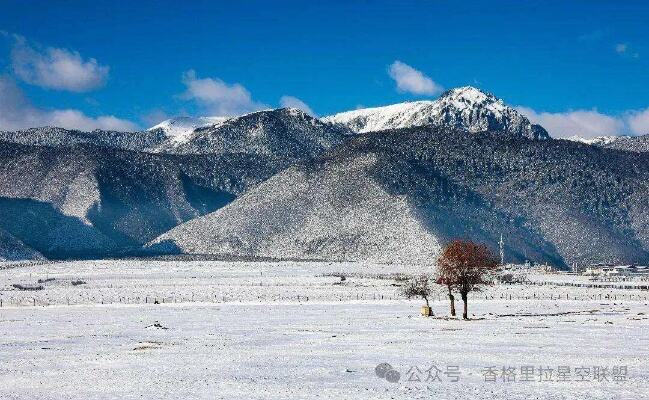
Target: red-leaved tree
{"points": [[465, 266]]}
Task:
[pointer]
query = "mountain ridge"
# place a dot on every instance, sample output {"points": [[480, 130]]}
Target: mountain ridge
{"points": [[465, 108]]}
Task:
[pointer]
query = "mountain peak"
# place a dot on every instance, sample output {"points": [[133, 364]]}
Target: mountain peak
{"points": [[179, 129], [474, 99], [471, 97], [281, 132], [466, 108], [468, 93]]}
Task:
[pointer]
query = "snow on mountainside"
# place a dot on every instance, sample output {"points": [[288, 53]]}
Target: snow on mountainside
{"points": [[63, 196], [598, 141], [636, 144], [284, 133], [394, 196], [465, 108], [179, 129], [80, 202], [61, 137], [280, 183], [335, 213], [12, 249]]}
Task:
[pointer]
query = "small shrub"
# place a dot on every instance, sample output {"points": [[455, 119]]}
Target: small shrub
{"points": [[27, 286]]}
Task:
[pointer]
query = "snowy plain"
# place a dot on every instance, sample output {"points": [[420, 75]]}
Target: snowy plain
{"points": [[278, 330]]}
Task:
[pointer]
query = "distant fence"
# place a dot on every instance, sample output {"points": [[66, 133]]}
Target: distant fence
{"points": [[215, 298], [365, 297], [591, 285]]}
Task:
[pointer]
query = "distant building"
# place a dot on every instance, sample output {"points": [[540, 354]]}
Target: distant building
{"points": [[615, 270]]}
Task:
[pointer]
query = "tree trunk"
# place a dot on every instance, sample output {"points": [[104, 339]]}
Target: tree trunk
{"points": [[452, 300], [465, 314]]}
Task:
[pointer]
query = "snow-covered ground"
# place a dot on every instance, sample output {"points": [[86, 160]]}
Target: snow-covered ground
{"points": [[296, 330]]}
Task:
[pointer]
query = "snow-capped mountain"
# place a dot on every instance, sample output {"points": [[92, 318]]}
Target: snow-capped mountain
{"points": [[465, 108], [178, 130], [283, 133], [280, 183]]}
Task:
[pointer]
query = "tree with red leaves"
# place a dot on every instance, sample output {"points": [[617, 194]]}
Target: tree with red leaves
{"points": [[465, 266]]}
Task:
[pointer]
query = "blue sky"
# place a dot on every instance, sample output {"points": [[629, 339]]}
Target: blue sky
{"points": [[576, 66]]}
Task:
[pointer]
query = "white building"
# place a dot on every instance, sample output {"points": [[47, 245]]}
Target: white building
{"points": [[615, 270]]}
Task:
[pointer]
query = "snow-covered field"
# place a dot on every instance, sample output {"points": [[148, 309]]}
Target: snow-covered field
{"points": [[296, 330]]}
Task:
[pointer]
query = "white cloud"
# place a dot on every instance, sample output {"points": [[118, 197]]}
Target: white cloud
{"points": [[639, 121], [55, 68], [294, 102], [621, 48], [217, 97], [17, 112], [584, 123], [75, 119], [412, 81]]}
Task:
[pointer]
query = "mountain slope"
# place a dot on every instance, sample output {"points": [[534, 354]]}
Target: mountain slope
{"points": [[597, 141], [464, 108], [335, 213], [65, 196], [12, 249], [395, 196], [56, 137], [86, 201], [638, 144]]}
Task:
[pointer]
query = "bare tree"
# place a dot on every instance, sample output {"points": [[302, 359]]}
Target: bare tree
{"points": [[419, 286], [441, 280], [465, 266]]}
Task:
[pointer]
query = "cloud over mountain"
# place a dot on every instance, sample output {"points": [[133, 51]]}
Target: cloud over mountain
{"points": [[585, 123], [639, 121], [589, 123], [413, 81], [217, 97]]}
